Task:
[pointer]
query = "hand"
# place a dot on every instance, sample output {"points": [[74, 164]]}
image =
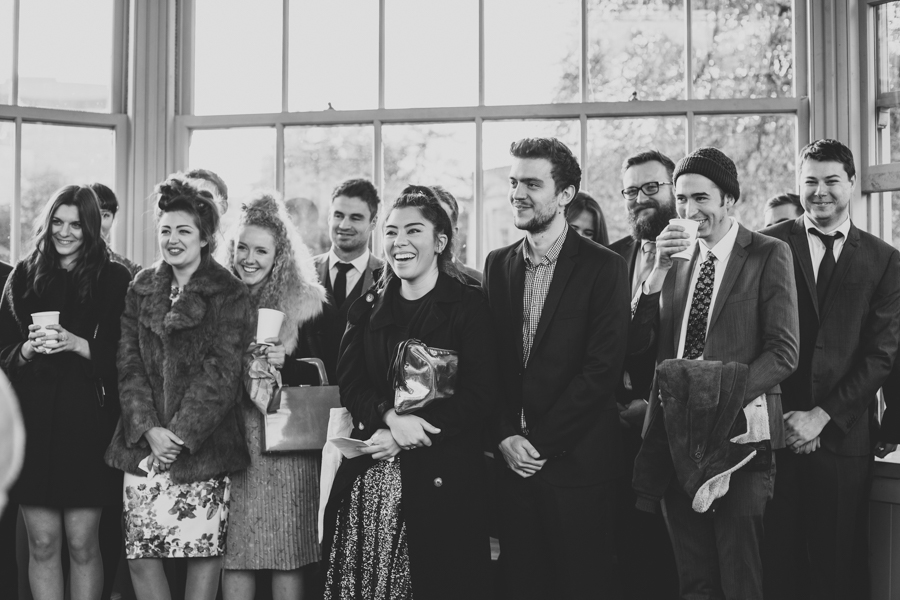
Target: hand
{"points": [[382, 445], [409, 431], [165, 445], [275, 352], [802, 426], [521, 456], [884, 448], [633, 414], [36, 340], [808, 448], [60, 340], [671, 240]]}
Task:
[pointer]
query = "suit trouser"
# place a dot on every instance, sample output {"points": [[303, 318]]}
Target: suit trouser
{"points": [[718, 553], [816, 544], [556, 542]]}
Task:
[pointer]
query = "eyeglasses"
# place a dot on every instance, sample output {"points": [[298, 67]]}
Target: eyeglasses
{"points": [[649, 188]]}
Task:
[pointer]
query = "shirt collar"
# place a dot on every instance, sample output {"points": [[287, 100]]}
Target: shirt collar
{"points": [[723, 249], [844, 227], [359, 263], [552, 253]]}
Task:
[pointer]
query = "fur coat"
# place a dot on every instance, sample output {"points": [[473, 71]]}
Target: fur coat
{"points": [[180, 368]]}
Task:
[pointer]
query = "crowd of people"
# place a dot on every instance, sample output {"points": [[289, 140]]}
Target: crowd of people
{"points": [[687, 412]]}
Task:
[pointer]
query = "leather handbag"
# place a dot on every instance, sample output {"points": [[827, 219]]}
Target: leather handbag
{"points": [[301, 421], [422, 374]]}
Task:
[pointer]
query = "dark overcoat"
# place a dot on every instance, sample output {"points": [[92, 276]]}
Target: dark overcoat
{"points": [[180, 368], [67, 428], [443, 486]]}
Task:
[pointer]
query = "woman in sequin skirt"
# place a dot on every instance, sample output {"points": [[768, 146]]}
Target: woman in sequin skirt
{"points": [[184, 331], [409, 519]]}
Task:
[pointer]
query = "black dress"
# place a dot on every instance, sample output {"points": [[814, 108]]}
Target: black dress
{"points": [[67, 425]]}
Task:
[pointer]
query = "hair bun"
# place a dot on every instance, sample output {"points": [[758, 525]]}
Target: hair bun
{"points": [[170, 190], [263, 203]]}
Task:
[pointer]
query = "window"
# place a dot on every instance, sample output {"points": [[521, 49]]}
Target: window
{"points": [[62, 109], [434, 93]]}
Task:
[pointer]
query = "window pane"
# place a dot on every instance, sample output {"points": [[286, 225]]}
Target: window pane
{"points": [[65, 54], [888, 47], [742, 49], [764, 150], [324, 68], [635, 46], [244, 158], [432, 154], [431, 53], [7, 184], [499, 229], [317, 160], [237, 57], [54, 156], [610, 142], [6, 50], [528, 44]]}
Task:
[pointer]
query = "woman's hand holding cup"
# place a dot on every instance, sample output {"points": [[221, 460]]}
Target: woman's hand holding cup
{"points": [[275, 352]]}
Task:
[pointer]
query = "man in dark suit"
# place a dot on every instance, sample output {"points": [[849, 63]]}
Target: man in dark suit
{"points": [[451, 207], [733, 301], [560, 304], [848, 284], [642, 538], [346, 270]]}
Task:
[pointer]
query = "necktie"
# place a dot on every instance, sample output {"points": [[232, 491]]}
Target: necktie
{"points": [[647, 259], [340, 283], [696, 328], [826, 267]]}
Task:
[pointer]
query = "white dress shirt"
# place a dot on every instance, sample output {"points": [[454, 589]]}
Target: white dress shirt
{"points": [[359, 263], [817, 246]]}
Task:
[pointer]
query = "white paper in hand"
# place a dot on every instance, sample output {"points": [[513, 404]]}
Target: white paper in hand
{"points": [[349, 447]]}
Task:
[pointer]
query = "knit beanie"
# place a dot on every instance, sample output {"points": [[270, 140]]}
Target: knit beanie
{"points": [[714, 165]]}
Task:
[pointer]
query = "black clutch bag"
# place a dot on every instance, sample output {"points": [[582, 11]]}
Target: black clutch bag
{"points": [[422, 374]]}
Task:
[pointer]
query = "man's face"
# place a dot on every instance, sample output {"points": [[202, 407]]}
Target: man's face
{"points": [[648, 215], [107, 218], [698, 198], [825, 191], [350, 224], [532, 195], [781, 213]]}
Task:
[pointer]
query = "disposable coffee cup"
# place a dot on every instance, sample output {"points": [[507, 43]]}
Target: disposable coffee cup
{"points": [[268, 325], [690, 228], [50, 317]]}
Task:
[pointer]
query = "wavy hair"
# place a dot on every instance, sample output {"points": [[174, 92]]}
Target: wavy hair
{"points": [[43, 261], [292, 285]]}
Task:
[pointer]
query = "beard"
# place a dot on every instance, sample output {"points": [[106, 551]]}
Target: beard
{"points": [[539, 223], [649, 228]]}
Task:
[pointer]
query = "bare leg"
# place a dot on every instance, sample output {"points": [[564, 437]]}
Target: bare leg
{"points": [[287, 585], [203, 578], [149, 579], [86, 575], [45, 527], [239, 585]]}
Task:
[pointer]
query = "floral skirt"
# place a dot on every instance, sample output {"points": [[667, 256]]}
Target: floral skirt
{"points": [[369, 553], [175, 520]]}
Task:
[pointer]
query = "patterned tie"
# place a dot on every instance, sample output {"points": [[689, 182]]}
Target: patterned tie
{"points": [[696, 328], [340, 283], [826, 267]]}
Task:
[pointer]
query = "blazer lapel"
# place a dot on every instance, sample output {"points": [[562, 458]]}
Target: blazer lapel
{"points": [[564, 265], [800, 246], [516, 276], [841, 269], [732, 270], [322, 270]]}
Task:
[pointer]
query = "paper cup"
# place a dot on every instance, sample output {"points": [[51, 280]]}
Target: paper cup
{"points": [[690, 227], [269, 324], [50, 317]]}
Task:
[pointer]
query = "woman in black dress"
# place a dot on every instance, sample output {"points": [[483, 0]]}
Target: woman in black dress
{"points": [[66, 384], [409, 519]]}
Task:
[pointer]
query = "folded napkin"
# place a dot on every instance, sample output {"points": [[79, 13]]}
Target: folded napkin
{"points": [[262, 381]]}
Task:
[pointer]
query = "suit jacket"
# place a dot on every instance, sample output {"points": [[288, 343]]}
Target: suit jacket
{"points": [[568, 388], [753, 320], [848, 345], [338, 322]]}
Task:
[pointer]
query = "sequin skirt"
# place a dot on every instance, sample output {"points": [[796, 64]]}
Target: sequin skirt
{"points": [[175, 520], [369, 553]]}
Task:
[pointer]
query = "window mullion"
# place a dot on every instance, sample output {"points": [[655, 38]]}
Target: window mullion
{"points": [[15, 54]]}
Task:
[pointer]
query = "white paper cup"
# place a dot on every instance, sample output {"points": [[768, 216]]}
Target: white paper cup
{"points": [[268, 325], [690, 227], [50, 317]]}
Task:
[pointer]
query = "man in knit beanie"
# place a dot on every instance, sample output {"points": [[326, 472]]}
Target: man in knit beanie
{"points": [[735, 301]]}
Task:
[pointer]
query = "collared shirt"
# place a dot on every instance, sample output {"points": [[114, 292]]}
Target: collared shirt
{"points": [[722, 252], [359, 263], [538, 278], [646, 256], [817, 246]]}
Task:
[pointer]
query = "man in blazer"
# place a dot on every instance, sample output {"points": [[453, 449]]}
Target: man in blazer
{"points": [[347, 269], [848, 285], [560, 307], [733, 301]]}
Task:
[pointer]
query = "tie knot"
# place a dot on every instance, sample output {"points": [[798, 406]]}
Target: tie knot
{"points": [[710, 257], [343, 267], [828, 240]]}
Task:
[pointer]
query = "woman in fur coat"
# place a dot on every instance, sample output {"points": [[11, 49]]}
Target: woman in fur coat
{"points": [[184, 331], [274, 502]]}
